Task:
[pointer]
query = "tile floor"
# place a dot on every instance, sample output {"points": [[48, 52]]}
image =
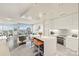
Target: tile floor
{"points": [[25, 51], [63, 51], [22, 51]]}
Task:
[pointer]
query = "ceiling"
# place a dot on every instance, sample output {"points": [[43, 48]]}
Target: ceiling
{"points": [[49, 11], [31, 12], [12, 9]]}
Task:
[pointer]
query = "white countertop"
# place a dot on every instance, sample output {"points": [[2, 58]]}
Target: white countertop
{"points": [[72, 37], [43, 38], [3, 37]]}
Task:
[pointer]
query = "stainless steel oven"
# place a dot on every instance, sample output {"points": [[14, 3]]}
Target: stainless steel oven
{"points": [[60, 40]]}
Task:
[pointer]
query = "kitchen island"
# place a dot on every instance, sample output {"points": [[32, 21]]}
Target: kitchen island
{"points": [[49, 44]]}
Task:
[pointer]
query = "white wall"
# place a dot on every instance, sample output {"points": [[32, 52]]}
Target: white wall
{"points": [[68, 22], [65, 22], [47, 27], [36, 28]]}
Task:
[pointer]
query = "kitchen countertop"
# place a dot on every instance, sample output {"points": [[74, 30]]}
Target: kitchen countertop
{"points": [[3, 37], [43, 38]]}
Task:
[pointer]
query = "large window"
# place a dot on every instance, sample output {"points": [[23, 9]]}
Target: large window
{"points": [[21, 28], [7, 26]]}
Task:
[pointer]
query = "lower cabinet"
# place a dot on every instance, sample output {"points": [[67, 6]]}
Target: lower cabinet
{"points": [[72, 43], [4, 50]]}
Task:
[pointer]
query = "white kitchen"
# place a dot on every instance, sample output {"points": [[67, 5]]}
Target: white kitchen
{"points": [[30, 29]]}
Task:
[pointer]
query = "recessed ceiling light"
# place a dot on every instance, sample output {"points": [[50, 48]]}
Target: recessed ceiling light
{"points": [[23, 17], [40, 15], [27, 17], [8, 18]]}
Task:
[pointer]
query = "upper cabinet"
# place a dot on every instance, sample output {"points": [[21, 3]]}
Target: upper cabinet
{"points": [[68, 22]]}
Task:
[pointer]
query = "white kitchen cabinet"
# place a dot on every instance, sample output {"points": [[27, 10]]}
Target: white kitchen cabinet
{"points": [[4, 50], [72, 43], [50, 46], [12, 42]]}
